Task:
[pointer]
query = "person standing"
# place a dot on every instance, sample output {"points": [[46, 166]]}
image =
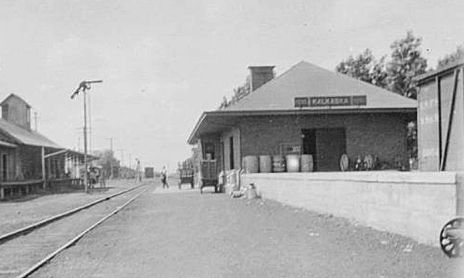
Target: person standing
{"points": [[138, 171], [164, 177]]}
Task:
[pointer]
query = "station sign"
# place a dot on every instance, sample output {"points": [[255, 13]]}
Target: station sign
{"points": [[330, 101]]}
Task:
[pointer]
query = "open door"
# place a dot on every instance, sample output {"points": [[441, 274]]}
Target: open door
{"points": [[326, 145], [331, 144]]}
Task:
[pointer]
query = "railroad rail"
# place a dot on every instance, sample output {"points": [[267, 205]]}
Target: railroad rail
{"points": [[77, 238], [43, 240], [29, 228]]}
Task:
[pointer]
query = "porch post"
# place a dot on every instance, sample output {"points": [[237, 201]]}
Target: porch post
{"points": [[43, 169]]}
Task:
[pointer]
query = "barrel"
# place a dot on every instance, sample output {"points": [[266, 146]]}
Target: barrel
{"points": [[344, 162], [250, 163], [293, 163], [265, 164], [307, 164], [278, 164]]}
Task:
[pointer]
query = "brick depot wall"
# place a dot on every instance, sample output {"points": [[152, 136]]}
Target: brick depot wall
{"points": [[412, 204], [225, 139], [383, 135]]}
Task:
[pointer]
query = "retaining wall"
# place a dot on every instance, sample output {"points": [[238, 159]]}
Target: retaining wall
{"points": [[413, 204]]}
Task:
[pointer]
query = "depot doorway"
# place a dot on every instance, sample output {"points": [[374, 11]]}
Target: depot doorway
{"points": [[326, 145]]}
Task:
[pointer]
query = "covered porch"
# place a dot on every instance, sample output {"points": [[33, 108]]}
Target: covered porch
{"points": [[31, 169]]}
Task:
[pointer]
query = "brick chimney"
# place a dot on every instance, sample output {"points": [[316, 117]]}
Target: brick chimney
{"points": [[260, 75]]}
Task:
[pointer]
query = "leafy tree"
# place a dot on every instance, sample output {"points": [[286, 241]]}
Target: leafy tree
{"points": [[406, 62], [239, 93], [106, 160], [451, 58], [365, 67], [379, 73], [359, 67]]}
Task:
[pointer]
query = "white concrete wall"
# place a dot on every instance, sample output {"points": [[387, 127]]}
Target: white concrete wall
{"points": [[413, 204]]}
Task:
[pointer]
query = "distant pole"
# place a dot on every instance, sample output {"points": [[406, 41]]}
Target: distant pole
{"points": [[111, 159], [130, 161], [43, 168], [83, 87], [90, 125], [121, 151], [86, 186]]}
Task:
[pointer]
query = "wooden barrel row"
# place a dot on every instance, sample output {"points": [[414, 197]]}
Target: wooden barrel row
{"points": [[278, 163]]}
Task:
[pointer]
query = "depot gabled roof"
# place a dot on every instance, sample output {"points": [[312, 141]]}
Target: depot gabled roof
{"points": [[15, 96], [24, 136], [307, 80], [277, 97]]}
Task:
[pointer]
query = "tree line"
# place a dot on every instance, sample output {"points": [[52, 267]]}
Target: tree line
{"points": [[393, 72], [396, 73]]}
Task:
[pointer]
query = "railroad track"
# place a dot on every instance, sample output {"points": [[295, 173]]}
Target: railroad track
{"points": [[24, 251]]}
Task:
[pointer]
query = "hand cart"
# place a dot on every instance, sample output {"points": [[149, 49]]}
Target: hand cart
{"points": [[209, 175], [186, 176]]}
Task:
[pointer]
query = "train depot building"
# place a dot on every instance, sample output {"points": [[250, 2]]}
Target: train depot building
{"points": [[307, 110]]}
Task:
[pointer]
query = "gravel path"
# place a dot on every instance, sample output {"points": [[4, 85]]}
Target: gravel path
{"points": [[21, 253], [191, 235]]}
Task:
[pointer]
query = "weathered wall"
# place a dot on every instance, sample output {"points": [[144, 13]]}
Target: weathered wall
{"points": [[30, 162], [434, 114], [17, 112], [10, 163], [383, 135], [413, 204]]}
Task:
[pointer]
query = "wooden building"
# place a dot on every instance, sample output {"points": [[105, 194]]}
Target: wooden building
{"points": [[441, 119], [28, 158]]}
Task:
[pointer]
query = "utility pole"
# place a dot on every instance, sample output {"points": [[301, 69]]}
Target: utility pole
{"points": [[122, 163], [90, 125], [83, 87], [121, 151], [112, 155]]}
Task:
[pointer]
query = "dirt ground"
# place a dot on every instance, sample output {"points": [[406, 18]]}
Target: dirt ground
{"points": [[17, 213], [171, 233]]}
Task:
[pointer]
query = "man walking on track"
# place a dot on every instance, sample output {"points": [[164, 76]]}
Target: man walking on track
{"points": [[164, 177]]}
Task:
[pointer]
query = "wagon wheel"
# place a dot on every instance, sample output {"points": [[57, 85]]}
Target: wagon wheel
{"points": [[451, 237]]}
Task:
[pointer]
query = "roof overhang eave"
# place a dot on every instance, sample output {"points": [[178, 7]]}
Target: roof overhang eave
{"points": [[195, 134]]}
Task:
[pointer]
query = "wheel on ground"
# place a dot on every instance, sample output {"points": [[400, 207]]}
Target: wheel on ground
{"points": [[451, 239]]}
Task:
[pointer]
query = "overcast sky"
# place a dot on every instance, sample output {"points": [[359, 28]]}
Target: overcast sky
{"points": [[165, 62]]}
